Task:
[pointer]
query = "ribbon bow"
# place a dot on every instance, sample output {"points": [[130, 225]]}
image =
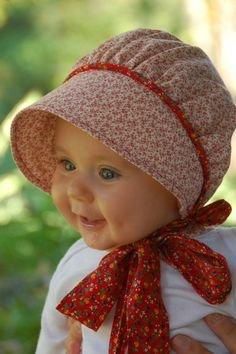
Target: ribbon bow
{"points": [[130, 277]]}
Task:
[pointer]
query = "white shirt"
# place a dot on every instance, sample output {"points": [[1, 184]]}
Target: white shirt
{"points": [[184, 306]]}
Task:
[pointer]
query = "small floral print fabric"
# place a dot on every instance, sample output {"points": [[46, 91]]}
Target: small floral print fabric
{"points": [[130, 277]]}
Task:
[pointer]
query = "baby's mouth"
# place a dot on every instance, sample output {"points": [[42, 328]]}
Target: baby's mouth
{"points": [[91, 224]]}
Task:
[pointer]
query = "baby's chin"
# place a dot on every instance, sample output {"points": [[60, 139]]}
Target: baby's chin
{"points": [[99, 246]]}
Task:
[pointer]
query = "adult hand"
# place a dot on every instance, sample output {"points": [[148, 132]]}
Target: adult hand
{"points": [[224, 327]]}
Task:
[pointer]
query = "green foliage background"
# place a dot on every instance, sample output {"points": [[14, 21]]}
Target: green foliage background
{"points": [[39, 43]]}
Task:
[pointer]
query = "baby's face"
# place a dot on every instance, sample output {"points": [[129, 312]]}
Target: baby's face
{"points": [[109, 201]]}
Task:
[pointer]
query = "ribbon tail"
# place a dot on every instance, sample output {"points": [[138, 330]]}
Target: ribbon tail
{"points": [[146, 325], [118, 338], [90, 301], [205, 269]]}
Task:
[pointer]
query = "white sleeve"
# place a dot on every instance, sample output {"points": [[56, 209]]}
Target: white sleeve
{"points": [[78, 262], [54, 328], [53, 325]]}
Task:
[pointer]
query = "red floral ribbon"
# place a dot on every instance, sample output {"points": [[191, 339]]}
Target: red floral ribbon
{"points": [[130, 277]]}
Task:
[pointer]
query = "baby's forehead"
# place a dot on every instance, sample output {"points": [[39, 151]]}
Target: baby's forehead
{"points": [[68, 135]]}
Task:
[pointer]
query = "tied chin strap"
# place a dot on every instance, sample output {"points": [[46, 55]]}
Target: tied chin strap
{"points": [[130, 277]]}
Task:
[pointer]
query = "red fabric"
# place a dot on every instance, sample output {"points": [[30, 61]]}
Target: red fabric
{"points": [[130, 277]]}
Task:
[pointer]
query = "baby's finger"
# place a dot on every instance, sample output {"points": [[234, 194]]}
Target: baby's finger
{"points": [[73, 347], [225, 328], [74, 328], [185, 345], [73, 342]]}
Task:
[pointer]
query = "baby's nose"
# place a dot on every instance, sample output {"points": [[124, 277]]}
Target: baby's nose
{"points": [[79, 189]]}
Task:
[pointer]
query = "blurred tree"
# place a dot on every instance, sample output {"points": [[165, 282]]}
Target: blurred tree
{"points": [[213, 27], [40, 40]]}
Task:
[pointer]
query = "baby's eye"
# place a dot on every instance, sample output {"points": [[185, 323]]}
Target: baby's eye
{"points": [[67, 165], [108, 174]]}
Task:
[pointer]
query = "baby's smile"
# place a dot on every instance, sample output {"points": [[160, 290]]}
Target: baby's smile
{"points": [[92, 224]]}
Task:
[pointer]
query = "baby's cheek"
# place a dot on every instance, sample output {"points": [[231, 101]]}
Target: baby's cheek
{"points": [[57, 197], [122, 226], [60, 199]]}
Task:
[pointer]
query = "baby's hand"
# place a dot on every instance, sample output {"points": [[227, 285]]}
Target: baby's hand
{"points": [[74, 339]]}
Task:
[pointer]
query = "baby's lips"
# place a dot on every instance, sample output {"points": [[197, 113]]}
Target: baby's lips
{"points": [[91, 223]]}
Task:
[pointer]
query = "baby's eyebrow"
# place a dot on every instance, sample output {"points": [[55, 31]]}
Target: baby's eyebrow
{"points": [[59, 148], [96, 157]]}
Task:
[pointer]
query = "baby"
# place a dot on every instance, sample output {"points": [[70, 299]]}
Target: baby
{"points": [[131, 147]]}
